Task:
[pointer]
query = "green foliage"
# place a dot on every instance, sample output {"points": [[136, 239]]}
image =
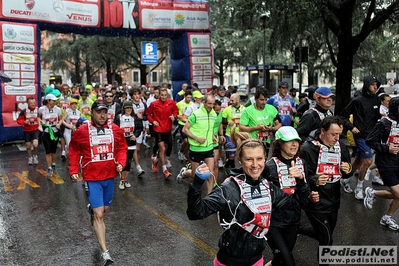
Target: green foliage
{"points": [[77, 54]]}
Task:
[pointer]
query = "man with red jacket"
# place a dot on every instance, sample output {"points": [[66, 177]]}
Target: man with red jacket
{"points": [[103, 149], [161, 115], [28, 118]]}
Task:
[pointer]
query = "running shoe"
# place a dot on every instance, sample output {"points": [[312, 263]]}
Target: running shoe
{"points": [[367, 175], [220, 163], [166, 174], [146, 145], [63, 155], [49, 172], [346, 186], [30, 160], [90, 210], [107, 260], [390, 222], [168, 164], [127, 184], [227, 171], [369, 199], [154, 163], [140, 171], [377, 181], [122, 185], [35, 160], [359, 193], [180, 176], [181, 156]]}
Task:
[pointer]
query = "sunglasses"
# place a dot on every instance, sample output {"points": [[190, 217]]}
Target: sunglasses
{"points": [[109, 96]]}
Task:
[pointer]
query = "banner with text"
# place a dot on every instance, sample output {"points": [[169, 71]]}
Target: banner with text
{"points": [[19, 61], [104, 14]]}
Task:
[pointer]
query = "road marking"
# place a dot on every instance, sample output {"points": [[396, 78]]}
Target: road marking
{"points": [[56, 178], [6, 183], [201, 244], [24, 180]]}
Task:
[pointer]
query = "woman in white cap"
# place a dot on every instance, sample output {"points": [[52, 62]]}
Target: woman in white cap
{"points": [[244, 202], [132, 127], [282, 170], [50, 116]]}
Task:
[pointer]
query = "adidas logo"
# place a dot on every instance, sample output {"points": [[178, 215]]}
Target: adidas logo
{"points": [[256, 193]]}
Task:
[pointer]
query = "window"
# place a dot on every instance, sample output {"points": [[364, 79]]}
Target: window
{"points": [[154, 76], [136, 76], [230, 79]]}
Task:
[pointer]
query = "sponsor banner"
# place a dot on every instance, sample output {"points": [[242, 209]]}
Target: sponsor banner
{"points": [[14, 75], [26, 67], [72, 12], [121, 14], [201, 52], [18, 48], [12, 90], [177, 5], [11, 67], [199, 41], [18, 34], [198, 67], [201, 60], [198, 73], [18, 60], [27, 82], [153, 19]]}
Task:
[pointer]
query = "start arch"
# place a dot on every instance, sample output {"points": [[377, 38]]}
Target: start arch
{"points": [[184, 22]]}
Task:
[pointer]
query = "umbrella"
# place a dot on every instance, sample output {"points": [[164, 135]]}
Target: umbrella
{"points": [[4, 78]]}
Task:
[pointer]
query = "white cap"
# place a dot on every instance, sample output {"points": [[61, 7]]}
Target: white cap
{"points": [[51, 97]]}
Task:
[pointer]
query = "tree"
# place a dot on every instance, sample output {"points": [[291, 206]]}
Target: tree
{"points": [[351, 22]]}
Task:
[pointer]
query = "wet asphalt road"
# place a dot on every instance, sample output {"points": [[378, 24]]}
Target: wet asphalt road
{"points": [[45, 222]]}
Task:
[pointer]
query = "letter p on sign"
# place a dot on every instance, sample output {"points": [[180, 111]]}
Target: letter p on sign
{"points": [[149, 49]]}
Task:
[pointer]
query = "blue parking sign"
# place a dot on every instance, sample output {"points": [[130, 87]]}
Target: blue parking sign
{"points": [[149, 53]]}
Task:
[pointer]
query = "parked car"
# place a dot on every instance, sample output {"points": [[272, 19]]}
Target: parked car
{"points": [[243, 91]]}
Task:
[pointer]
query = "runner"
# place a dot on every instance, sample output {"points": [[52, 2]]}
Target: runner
{"points": [[231, 118], [384, 139], [132, 127], [244, 203], [100, 147], [261, 120], [28, 118], [51, 120], [161, 114]]}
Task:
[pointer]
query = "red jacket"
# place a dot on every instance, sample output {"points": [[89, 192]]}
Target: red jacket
{"points": [[22, 118], [161, 111], [95, 171]]}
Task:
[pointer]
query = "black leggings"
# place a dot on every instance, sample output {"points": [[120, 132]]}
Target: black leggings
{"points": [[282, 242], [323, 225], [129, 157], [50, 145]]}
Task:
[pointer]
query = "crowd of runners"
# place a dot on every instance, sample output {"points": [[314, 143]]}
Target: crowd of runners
{"points": [[281, 153]]}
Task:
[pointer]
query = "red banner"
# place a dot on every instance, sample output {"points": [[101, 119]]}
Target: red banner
{"points": [[19, 61]]}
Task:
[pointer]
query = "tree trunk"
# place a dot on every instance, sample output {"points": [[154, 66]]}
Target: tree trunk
{"points": [[143, 75], [343, 75], [221, 72]]}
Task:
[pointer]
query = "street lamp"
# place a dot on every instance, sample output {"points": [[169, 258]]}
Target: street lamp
{"points": [[262, 19], [300, 37]]}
